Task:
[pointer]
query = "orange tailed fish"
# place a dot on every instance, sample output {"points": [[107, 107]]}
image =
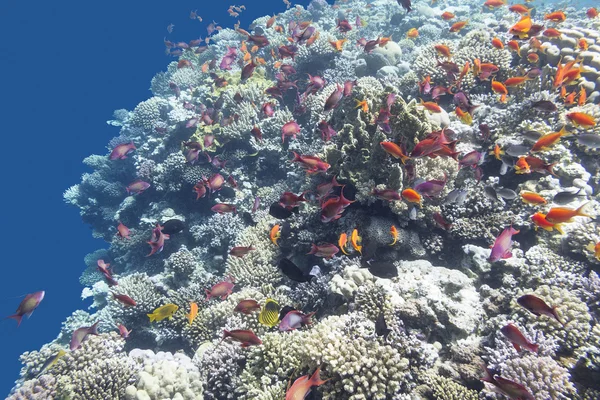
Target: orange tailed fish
{"points": [[394, 233], [497, 43], [499, 88], [559, 215], [458, 26], [532, 198], [539, 220], [548, 140], [275, 234], [356, 240], [193, 312], [342, 242], [581, 119], [411, 196]]}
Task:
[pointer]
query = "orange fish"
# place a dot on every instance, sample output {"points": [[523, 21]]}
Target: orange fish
{"points": [[499, 88], [312, 39], [362, 105], [395, 151], [254, 49], [458, 26], [520, 9], [497, 152], [532, 198], [514, 46], [301, 386], [522, 166], [535, 44], [491, 4], [443, 50], [464, 71], [516, 81], [411, 196], [338, 45], [548, 140], [193, 313], [447, 16], [581, 119], [243, 47], [557, 16], [384, 40], [271, 21], [559, 215], [595, 249], [412, 33], [464, 116], [583, 44], [570, 99], [533, 58], [582, 97], [522, 27], [431, 106], [204, 67], [275, 234], [247, 57], [394, 233], [497, 43], [476, 67], [552, 33], [356, 240], [539, 220], [342, 242]]}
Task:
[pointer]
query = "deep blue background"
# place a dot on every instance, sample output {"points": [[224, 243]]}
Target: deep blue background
{"points": [[65, 66]]}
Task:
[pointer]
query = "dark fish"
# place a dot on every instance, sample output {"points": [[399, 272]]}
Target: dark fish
{"points": [[284, 311], [381, 269], [292, 271], [566, 196], [277, 211], [490, 193], [517, 150], [507, 194], [590, 140], [172, 226], [532, 136], [227, 192], [544, 105], [381, 328], [456, 196]]}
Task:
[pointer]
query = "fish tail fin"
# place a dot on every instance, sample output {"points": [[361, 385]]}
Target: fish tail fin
{"points": [[580, 210], [297, 157], [17, 318], [559, 228], [315, 379], [94, 328], [152, 317], [550, 168], [533, 347]]}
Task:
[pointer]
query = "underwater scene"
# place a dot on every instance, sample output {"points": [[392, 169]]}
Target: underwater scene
{"points": [[346, 201]]}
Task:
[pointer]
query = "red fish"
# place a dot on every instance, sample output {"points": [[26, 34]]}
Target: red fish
{"points": [[386, 194], [268, 110], [103, 267], [121, 151], [326, 131], [27, 306], [289, 129], [326, 250], [221, 289], [123, 231], [223, 208], [512, 333], [157, 242], [245, 336], [441, 222], [248, 70], [257, 134], [559, 215], [137, 187], [333, 208], [325, 189], [200, 190], [241, 251], [312, 164], [290, 200], [123, 331], [79, 335], [395, 151], [511, 389], [247, 306], [538, 307], [301, 386], [123, 298], [334, 98], [502, 245]]}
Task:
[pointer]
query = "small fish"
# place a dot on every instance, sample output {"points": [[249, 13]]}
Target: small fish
{"points": [[124, 299], [431, 106], [516, 337], [157, 241], [507, 194], [502, 245], [544, 105], [50, 362], [280, 212], [592, 12], [394, 233], [163, 312], [293, 320], [302, 386], [290, 128], [221, 289], [412, 33], [193, 313], [172, 226], [223, 208], [137, 187], [269, 315], [447, 16], [559, 215], [538, 307], [458, 26], [121, 151], [356, 241], [548, 140], [28, 306], [123, 231], [326, 250], [441, 222], [557, 16], [566, 196], [381, 328], [511, 389], [497, 43], [532, 198], [539, 220], [532, 136], [241, 251], [395, 151], [247, 306], [80, 334], [342, 242], [275, 234], [245, 336], [411, 196], [123, 331], [595, 249], [457, 196], [490, 193]]}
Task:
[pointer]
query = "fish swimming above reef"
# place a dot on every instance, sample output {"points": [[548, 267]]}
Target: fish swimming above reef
{"points": [[163, 312], [28, 306]]}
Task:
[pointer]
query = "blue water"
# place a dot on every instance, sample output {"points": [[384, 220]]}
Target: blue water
{"points": [[66, 66]]}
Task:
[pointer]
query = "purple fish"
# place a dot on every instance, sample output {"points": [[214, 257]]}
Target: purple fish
{"points": [[121, 151], [79, 335], [290, 129], [256, 204], [157, 242], [472, 159], [223, 208], [431, 188], [326, 131], [315, 83], [348, 86], [27, 306], [288, 51], [137, 187], [228, 59], [502, 245], [326, 250], [287, 69], [293, 320]]}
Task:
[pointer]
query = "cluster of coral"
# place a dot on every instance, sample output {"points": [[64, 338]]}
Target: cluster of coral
{"points": [[206, 195]]}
